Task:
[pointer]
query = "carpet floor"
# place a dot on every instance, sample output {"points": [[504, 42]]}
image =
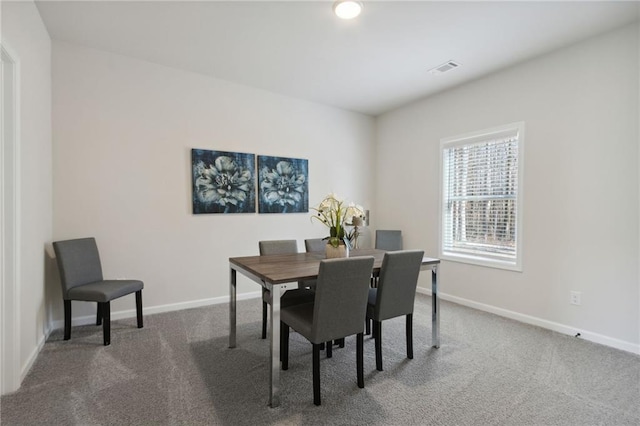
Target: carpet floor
{"points": [[179, 370]]}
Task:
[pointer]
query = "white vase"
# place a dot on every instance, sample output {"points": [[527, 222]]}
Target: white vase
{"points": [[336, 252]]}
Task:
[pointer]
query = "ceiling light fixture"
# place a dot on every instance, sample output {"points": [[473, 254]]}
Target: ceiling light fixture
{"points": [[347, 9], [442, 68]]}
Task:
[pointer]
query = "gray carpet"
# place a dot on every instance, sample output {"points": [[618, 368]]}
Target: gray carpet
{"points": [[178, 370]]}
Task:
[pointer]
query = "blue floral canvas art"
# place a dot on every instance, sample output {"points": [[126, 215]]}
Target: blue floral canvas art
{"points": [[223, 182], [284, 185]]}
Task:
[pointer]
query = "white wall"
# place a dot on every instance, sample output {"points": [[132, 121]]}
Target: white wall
{"points": [[580, 108], [123, 131], [25, 34]]}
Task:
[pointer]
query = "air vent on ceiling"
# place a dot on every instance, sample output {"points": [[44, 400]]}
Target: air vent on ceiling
{"points": [[442, 68]]}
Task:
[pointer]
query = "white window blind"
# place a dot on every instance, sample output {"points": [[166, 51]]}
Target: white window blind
{"points": [[480, 197]]}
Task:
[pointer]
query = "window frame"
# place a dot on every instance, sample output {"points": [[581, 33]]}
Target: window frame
{"points": [[469, 139]]}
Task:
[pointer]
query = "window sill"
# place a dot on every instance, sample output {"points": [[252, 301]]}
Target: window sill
{"points": [[482, 261]]}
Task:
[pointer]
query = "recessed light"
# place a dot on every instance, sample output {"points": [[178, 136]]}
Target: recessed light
{"points": [[347, 9]]}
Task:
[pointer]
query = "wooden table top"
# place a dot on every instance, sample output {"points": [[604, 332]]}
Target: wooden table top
{"points": [[285, 268]]}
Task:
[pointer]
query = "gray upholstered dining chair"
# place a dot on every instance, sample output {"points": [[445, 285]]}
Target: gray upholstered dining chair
{"points": [[389, 240], [289, 297], [395, 295], [319, 245], [337, 312], [81, 278], [315, 245]]}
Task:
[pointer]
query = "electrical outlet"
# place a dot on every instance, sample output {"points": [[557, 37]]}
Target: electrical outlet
{"points": [[574, 298]]}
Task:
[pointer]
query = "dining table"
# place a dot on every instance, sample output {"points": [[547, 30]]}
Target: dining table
{"points": [[277, 273]]}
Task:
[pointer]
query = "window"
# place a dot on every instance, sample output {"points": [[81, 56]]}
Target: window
{"points": [[481, 214]]}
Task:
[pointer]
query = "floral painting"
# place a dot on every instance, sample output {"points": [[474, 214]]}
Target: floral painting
{"points": [[284, 185], [223, 182]]}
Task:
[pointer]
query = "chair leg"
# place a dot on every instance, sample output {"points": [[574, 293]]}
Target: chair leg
{"points": [[360, 359], [316, 374], [264, 320], [99, 314], [139, 307], [284, 345], [377, 332], [67, 319], [367, 326], [106, 323], [329, 349], [341, 343], [410, 336]]}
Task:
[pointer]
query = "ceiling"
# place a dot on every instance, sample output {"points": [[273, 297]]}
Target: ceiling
{"points": [[371, 64]]}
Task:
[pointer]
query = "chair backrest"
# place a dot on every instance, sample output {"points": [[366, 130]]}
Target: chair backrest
{"points": [[389, 240], [78, 262], [278, 247], [341, 298], [397, 284], [315, 245]]}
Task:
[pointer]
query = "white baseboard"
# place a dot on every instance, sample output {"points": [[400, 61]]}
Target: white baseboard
{"points": [[550, 325], [34, 355], [527, 319], [131, 313]]}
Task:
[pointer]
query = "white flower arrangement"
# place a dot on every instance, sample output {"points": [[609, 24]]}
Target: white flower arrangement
{"points": [[333, 213]]}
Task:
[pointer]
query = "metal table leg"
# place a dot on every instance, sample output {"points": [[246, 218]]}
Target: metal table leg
{"points": [[435, 308], [274, 378], [232, 308]]}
